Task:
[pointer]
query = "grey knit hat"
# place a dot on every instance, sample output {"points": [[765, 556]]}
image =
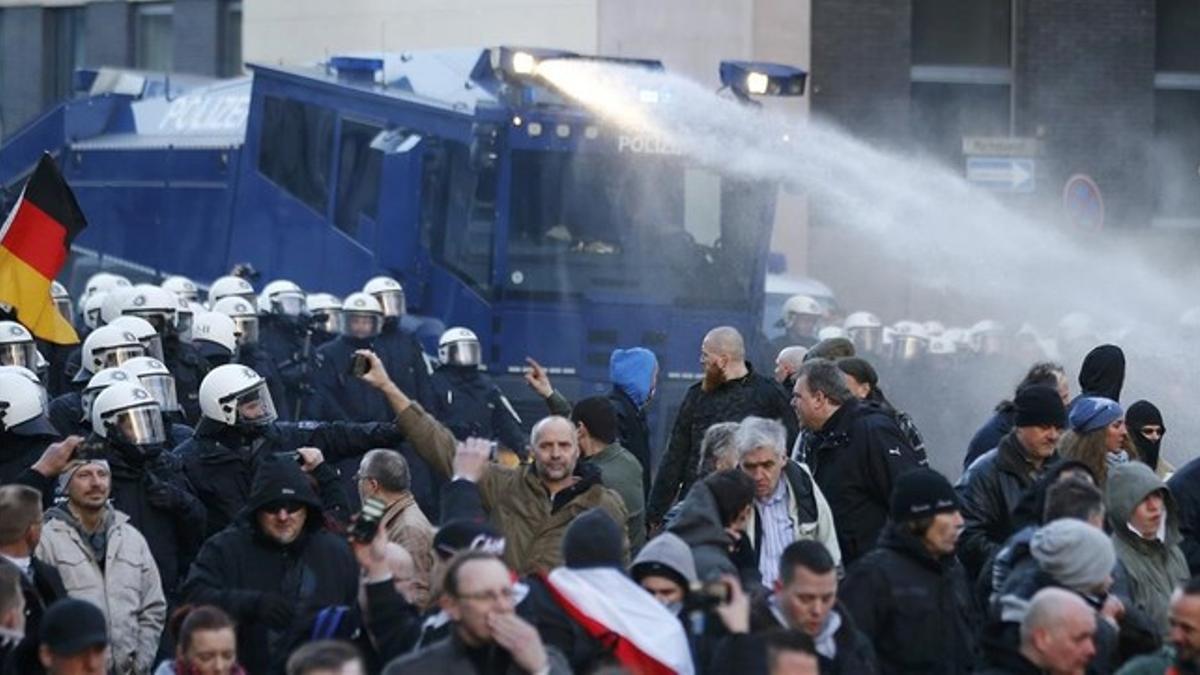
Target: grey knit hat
{"points": [[1075, 554]]}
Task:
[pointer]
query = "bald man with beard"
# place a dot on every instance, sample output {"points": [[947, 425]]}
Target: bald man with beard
{"points": [[729, 392]]}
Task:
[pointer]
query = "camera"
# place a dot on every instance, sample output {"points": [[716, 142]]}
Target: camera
{"points": [[359, 365], [706, 596], [293, 455], [365, 524]]}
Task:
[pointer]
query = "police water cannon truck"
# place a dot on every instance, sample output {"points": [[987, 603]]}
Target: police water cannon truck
{"points": [[501, 205]]}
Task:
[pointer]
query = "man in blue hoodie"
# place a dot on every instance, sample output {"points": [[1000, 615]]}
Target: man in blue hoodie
{"points": [[634, 376]]}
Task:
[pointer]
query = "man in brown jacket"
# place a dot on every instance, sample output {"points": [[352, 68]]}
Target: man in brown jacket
{"points": [[531, 504], [383, 474]]}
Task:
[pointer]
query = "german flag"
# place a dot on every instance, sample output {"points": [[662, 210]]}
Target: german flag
{"points": [[34, 242]]}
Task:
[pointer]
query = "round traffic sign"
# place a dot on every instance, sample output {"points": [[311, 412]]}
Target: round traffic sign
{"points": [[1083, 203]]}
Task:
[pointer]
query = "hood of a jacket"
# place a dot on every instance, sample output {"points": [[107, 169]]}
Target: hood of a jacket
{"points": [[698, 522], [670, 551], [1128, 484], [632, 371], [1103, 372], [112, 518], [280, 479]]}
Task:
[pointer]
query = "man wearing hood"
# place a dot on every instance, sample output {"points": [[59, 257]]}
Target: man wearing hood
{"points": [[104, 560], [1144, 422], [665, 569], [804, 598], [531, 504], [1145, 535], [1102, 374], [712, 520], [909, 595], [276, 568], [239, 430], [729, 392], [634, 376]]}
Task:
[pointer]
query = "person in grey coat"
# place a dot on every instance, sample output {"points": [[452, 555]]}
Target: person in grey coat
{"points": [[712, 520]]}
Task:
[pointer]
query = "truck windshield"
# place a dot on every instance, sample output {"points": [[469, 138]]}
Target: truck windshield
{"points": [[586, 223]]}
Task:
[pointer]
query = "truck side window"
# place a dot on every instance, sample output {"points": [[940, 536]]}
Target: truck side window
{"points": [[296, 149], [359, 167], [459, 204]]}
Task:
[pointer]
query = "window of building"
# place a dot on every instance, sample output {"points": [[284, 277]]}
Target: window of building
{"points": [[153, 30], [961, 32], [66, 44], [231, 40], [1177, 47], [296, 149], [944, 112], [1175, 154], [359, 166]]}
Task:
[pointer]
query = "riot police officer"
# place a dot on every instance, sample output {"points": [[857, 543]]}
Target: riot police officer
{"points": [[230, 286], [287, 340], [801, 314], [214, 336], [154, 376], [159, 307], [25, 430], [397, 344], [465, 398], [325, 317], [249, 347], [105, 347]]}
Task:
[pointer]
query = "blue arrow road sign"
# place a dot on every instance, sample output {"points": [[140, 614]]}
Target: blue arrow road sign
{"points": [[1002, 174]]}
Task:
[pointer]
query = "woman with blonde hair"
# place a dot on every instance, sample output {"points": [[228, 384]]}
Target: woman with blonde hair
{"points": [[1096, 436]]}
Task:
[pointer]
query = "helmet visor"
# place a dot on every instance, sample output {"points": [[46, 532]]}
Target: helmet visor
{"points": [[465, 353], [247, 329], [159, 319], [287, 304], [115, 356], [254, 407], [162, 388], [361, 325], [183, 325], [92, 318], [392, 302], [153, 345], [328, 320], [63, 305], [142, 425], [22, 354]]}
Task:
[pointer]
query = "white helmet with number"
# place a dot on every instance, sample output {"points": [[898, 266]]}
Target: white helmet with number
{"points": [[183, 287], [145, 332], [153, 304], [92, 309], [127, 412], [99, 382], [326, 311], [114, 302], [21, 399], [362, 316], [244, 315], [389, 293], [802, 305], [236, 396], [459, 347], [227, 286], [216, 328], [281, 297], [17, 347], [61, 299], [104, 282], [107, 347], [157, 379]]}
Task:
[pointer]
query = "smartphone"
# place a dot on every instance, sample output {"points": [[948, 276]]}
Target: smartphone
{"points": [[493, 448], [294, 455], [359, 365]]}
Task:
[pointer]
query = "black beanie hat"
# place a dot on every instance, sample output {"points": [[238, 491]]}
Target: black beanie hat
{"points": [[733, 491], [1039, 405], [922, 493], [593, 539], [599, 416]]}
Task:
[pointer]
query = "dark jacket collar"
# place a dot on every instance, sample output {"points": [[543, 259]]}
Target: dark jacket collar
{"points": [[1011, 457], [900, 540]]}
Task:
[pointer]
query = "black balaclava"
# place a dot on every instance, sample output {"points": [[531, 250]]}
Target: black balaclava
{"points": [[1139, 415], [1103, 372]]}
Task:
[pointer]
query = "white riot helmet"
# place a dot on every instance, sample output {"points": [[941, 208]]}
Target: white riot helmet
{"points": [[988, 337], [865, 330], [909, 340], [362, 316], [459, 347], [155, 378], [236, 396], [831, 332], [21, 400], [183, 287], [107, 347], [934, 328], [62, 300], [153, 304], [145, 332], [32, 377], [114, 302], [103, 282], [126, 412], [802, 305], [92, 309], [185, 315], [326, 311], [389, 293], [17, 347], [244, 315], [99, 382], [227, 286], [215, 328], [942, 346], [281, 297]]}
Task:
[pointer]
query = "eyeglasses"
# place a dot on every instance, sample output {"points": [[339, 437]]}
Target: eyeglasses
{"points": [[507, 594], [290, 507], [1152, 430]]}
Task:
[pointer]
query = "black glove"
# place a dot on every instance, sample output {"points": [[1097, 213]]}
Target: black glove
{"points": [[275, 610], [163, 495]]}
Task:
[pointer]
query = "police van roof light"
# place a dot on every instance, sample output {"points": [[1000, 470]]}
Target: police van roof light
{"points": [[760, 78], [356, 68]]}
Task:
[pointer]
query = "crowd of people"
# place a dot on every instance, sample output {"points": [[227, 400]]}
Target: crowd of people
{"points": [[280, 482]]}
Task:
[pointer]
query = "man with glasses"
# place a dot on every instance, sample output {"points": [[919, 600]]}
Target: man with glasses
{"points": [[488, 636], [276, 567]]}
